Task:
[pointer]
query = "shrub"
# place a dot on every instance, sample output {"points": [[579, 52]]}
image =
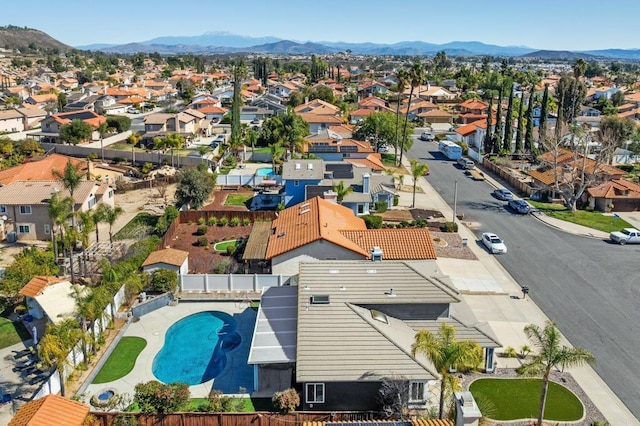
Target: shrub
{"points": [[164, 280], [146, 168], [235, 221], [510, 352], [626, 167], [223, 221], [372, 221], [92, 157], [202, 221], [450, 227], [222, 267], [246, 222], [218, 402], [287, 400], [155, 397], [118, 160], [231, 250], [202, 230], [396, 200], [380, 206], [212, 221], [202, 241], [404, 224]]}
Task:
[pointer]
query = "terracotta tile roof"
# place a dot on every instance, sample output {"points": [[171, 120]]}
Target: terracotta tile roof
{"points": [[41, 169], [373, 161], [50, 97], [52, 410], [32, 112], [396, 244], [565, 157], [313, 220], [212, 110], [170, 256], [36, 286], [310, 117], [474, 104], [89, 117], [10, 114], [344, 130], [467, 129], [317, 104], [435, 113], [616, 188], [362, 112]]}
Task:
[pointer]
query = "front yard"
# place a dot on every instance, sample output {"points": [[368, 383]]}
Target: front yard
{"points": [[591, 219]]}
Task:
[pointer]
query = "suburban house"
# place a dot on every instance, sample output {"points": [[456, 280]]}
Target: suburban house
{"points": [[306, 179], [169, 258], [186, 123], [349, 325], [374, 103], [50, 297], [431, 93], [330, 146], [436, 116], [368, 88], [21, 119], [359, 115], [318, 122], [271, 102], [283, 90], [41, 168], [52, 124], [317, 106], [320, 229], [249, 113], [620, 195], [420, 107], [472, 110], [26, 204]]}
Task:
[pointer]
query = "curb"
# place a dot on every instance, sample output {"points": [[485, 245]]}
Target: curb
{"points": [[538, 217]]}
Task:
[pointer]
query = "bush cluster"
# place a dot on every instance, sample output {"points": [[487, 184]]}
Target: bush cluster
{"points": [[287, 400]]}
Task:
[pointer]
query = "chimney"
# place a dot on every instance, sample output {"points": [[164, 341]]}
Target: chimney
{"points": [[330, 196], [365, 183]]}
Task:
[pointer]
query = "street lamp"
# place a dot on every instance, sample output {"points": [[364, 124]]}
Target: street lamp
{"points": [[525, 291]]}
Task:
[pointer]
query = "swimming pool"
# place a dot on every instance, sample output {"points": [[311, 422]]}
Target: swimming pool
{"points": [[195, 348], [264, 171]]}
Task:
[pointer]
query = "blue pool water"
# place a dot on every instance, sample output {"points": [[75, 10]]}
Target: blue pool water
{"points": [[265, 171], [195, 348]]}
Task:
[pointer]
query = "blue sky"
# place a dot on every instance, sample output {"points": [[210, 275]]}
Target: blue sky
{"points": [[540, 24]]}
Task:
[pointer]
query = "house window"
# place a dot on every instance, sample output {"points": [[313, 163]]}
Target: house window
{"points": [[3, 209], [360, 208], [25, 209], [296, 182], [24, 229], [110, 193], [47, 229], [417, 391], [315, 393], [92, 202]]}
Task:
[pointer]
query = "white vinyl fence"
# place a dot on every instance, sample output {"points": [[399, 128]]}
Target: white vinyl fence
{"points": [[232, 282]]}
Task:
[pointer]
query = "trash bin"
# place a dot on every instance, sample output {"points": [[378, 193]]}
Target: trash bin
{"points": [[464, 242]]}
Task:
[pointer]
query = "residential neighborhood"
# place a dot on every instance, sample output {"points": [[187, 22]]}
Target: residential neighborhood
{"points": [[299, 224]]}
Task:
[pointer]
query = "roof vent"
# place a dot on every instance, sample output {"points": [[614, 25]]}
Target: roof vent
{"points": [[302, 206], [309, 166], [298, 166], [320, 299], [304, 211], [376, 254], [282, 234], [390, 293]]}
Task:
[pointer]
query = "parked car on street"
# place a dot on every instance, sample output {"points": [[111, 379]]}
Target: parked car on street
{"points": [[493, 243], [503, 194], [427, 136], [519, 206], [626, 236]]}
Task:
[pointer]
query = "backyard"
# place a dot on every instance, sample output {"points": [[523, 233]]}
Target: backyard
{"points": [[519, 398], [122, 359], [12, 332], [591, 219]]}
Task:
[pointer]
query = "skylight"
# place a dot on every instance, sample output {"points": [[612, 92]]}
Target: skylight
{"points": [[379, 316]]}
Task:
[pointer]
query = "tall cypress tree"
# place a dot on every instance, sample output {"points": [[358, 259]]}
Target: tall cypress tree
{"points": [[488, 136], [508, 129], [236, 131], [497, 138], [520, 132], [528, 134], [542, 134]]}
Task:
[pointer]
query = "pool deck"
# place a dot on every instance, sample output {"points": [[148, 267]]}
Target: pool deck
{"points": [[152, 327]]}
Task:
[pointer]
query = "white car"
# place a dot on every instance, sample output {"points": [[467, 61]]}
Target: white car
{"points": [[627, 235], [493, 243], [427, 136]]}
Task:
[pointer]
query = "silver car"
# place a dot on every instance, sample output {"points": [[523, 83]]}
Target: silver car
{"points": [[493, 243]]}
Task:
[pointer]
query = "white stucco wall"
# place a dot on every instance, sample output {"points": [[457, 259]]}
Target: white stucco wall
{"points": [[287, 264]]}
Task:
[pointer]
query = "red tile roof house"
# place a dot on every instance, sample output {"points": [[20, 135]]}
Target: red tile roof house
{"points": [[168, 258], [26, 204], [52, 410], [472, 110], [319, 229], [51, 125]]}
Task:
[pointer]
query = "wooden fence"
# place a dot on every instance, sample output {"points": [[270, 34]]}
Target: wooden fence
{"points": [[194, 215], [509, 177], [237, 419]]}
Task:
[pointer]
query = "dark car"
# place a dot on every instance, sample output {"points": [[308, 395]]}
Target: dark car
{"points": [[503, 194], [519, 206]]}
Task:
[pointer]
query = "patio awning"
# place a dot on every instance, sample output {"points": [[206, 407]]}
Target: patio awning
{"points": [[268, 182], [274, 338]]}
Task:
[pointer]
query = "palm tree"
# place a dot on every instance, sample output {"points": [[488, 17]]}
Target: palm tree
{"points": [[111, 214], [277, 154], [291, 130], [445, 353], [102, 130], [416, 78], [97, 217], [549, 353], [341, 191], [86, 227], [402, 77], [417, 170], [70, 178], [56, 343], [59, 212]]}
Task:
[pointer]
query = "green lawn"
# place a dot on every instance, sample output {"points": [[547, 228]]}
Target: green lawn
{"points": [[388, 159], [262, 150], [121, 360], [222, 246], [139, 227], [124, 147], [237, 199], [519, 398], [595, 220], [12, 333]]}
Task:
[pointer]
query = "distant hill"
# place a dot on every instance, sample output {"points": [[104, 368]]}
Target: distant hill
{"points": [[558, 54], [213, 38], [291, 48], [21, 38], [630, 54]]}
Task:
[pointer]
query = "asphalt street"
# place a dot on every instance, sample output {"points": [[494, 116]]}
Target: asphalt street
{"points": [[588, 287]]}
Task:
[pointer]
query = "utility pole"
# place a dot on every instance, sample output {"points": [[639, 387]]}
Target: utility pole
{"points": [[455, 200]]}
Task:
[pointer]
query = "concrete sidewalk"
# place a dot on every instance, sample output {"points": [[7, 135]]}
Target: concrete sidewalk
{"points": [[507, 313]]}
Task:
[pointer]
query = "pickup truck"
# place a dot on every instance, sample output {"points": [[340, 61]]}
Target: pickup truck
{"points": [[475, 174], [627, 235]]}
